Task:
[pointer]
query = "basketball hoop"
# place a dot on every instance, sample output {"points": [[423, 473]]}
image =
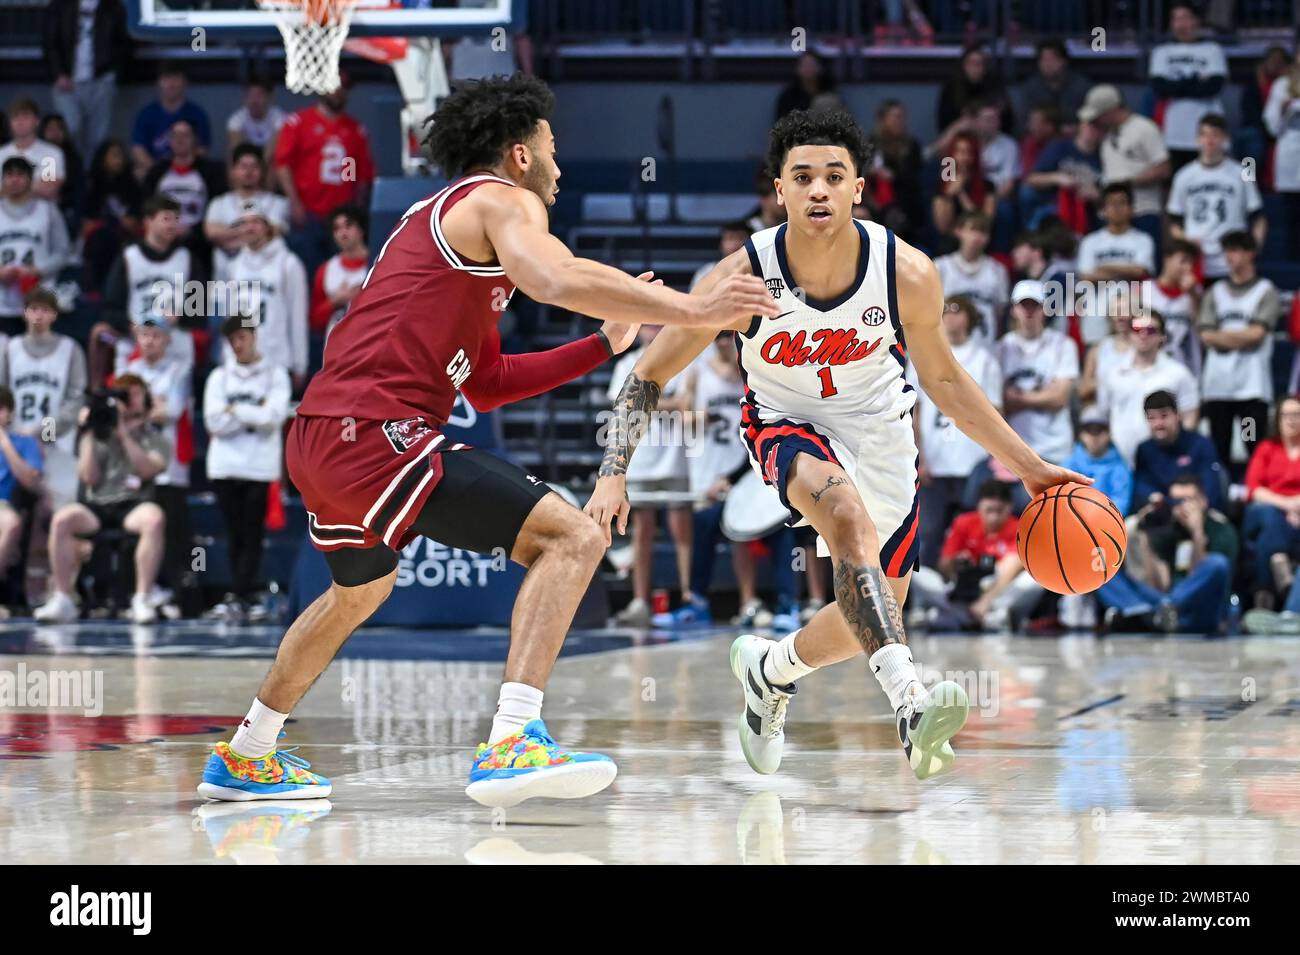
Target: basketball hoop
{"points": [[313, 32]]}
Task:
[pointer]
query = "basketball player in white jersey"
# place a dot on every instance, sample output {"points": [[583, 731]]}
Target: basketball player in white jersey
{"points": [[826, 419]]}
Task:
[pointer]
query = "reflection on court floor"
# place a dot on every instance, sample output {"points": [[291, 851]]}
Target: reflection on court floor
{"points": [[1079, 749]]}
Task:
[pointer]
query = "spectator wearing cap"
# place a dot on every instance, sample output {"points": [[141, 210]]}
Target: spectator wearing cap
{"points": [[1096, 456], [339, 279], [86, 44], [1173, 450], [45, 372], [1123, 387], [1187, 74], [169, 376], [257, 122], [188, 178], [157, 275], [948, 457], [33, 241], [1054, 82], [245, 404], [1132, 151], [49, 166], [273, 290], [1179, 567], [322, 161], [979, 277], [1238, 316], [150, 134], [1212, 196], [1039, 369], [21, 465], [1271, 528], [247, 192]]}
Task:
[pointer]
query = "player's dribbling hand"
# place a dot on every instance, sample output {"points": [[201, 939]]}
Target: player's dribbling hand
{"points": [[735, 298], [1049, 475], [609, 503]]}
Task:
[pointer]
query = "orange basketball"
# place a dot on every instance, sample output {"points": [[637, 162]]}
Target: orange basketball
{"points": [[1072, 539]]}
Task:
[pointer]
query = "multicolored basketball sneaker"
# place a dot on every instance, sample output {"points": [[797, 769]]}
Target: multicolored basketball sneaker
{"points": [[530, 764], [281, 775]]}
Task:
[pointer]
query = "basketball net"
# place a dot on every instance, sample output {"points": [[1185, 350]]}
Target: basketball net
{"points": [[313, 32]]}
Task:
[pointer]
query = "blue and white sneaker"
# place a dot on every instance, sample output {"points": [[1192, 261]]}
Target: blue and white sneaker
{"points": [[694, 613], [530, 764], [281, 775]]}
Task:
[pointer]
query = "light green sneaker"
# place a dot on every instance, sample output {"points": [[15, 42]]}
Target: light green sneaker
{"points": [[925, 724], [1271, 622]]}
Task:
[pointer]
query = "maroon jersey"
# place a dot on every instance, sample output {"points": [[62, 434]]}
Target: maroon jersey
{"points": [[414, 333]]}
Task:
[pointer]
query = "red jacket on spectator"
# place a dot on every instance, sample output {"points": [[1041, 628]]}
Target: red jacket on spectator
{"points": [[1271, 468], [967, 537]]}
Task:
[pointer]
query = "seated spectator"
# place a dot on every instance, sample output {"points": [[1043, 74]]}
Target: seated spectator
{"points": [[1238, 316], [169, 376], [1132, 151], [1179, 567], [811, 88], [979, 569], [962, 188], [1187, 74], [973, 82], [1271, 529], [1212, 197], [947, 456], [1063, 181], [149, 277], [111, 218], [1116, 348], [1039, 368], [1042, 128], [900, 157], [1122, 389], [1053, 83], [1282, 117], [245, 404], [45, 372], [49, 166], [72, 195], [999, 153], [257, 122], [117, 461], [278, 294], [1118, 253], [981, 278], [149, 133], [1098, 458], [33, 241], [1173, 450], [1175, 294], [188, 178], [247, 191], [731, 239], [339, 279], [770, 212], [21, 465]]}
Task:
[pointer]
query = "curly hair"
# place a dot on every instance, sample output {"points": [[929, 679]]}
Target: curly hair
{"points": [[481, 118], [817, 128]]}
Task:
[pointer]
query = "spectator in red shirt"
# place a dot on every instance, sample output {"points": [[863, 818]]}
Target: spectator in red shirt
{"points": [[1271, 530], [322, 161], [979, 566]]}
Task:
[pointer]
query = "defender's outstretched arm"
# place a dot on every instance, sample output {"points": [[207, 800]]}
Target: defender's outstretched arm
{"points": [[957, 395]]}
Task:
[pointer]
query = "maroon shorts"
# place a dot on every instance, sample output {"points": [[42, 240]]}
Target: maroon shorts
{"points": [[364, 482]]}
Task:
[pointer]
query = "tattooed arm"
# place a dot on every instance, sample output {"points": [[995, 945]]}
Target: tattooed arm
{"points": [[671, 351]]}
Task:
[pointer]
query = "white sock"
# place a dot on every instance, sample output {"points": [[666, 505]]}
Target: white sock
{"points": [[256, 736], [518, 704], [782, 665], [892, 665]]}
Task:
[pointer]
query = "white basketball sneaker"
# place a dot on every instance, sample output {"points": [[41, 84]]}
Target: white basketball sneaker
{"points": [[762, 721], [925, 724]]}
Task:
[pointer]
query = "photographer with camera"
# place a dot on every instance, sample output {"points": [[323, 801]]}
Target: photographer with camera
{"points": [[119, 453], [1179, 568]]}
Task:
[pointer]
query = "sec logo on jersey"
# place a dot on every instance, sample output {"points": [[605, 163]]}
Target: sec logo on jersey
{"points": [[873, 316]]}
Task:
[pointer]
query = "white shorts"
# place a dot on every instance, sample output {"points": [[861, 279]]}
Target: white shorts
{"points": [[879, 455]]}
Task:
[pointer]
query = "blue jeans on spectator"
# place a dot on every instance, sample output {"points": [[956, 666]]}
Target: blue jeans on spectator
{"points": [[704, 551], [1266, 532], [1200, 598]]}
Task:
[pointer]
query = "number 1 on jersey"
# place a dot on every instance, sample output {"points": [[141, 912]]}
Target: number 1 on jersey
{"points": [[828, 386]]}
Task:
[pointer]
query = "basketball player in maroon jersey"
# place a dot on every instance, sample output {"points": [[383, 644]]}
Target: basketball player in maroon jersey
{"points": [[374, 470]]}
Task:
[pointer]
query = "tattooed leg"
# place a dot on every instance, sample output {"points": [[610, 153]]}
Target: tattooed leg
{"points": [[867, 602]]}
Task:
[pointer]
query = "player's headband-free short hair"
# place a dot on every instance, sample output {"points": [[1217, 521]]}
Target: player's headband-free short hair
{"points": [[474, 126], [830, 127]]}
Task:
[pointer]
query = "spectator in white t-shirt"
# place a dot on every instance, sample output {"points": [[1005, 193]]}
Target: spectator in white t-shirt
{"points": [[979, 277], [999, 153], [49, 171], [1187, 75], [247, 193], [1132, 151], [1039, 368], [1124, 386], [1215, 195], [258, 121], [1110, 257], [1282, 118]]}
